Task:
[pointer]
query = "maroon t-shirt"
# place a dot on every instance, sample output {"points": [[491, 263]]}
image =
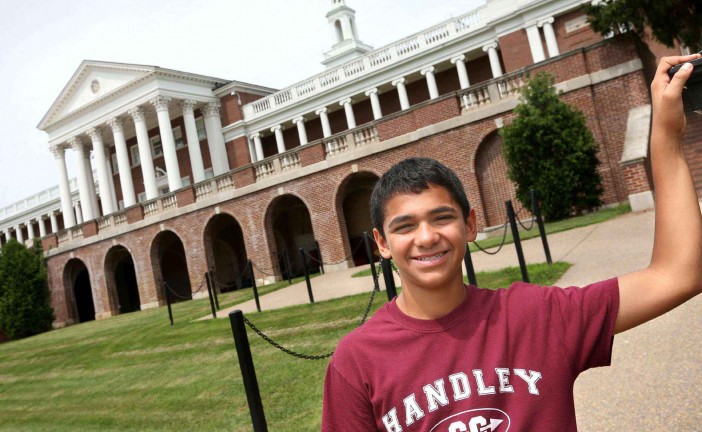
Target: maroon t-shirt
{"points": [[502, 360]]}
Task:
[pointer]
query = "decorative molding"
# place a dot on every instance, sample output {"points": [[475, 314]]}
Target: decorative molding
{"points": [[76, 144], [161, 103], [456, 59], [427, 70], [116, 124], [276, 128], [211, 109], [371, 91], [58, 152], [137, 113], [347, 101], [492, 45], [321, 111], [95, 134], [188, 106], [397, 81], [299, 119]]}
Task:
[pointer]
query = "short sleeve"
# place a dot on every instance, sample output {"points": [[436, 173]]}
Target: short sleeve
{"points": [[344, 407]]}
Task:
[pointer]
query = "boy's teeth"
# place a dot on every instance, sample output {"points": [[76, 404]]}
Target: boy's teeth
{"points": [[431, 257]]}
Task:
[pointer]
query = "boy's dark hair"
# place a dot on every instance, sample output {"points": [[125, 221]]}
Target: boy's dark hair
{"points": [[414, 175]]}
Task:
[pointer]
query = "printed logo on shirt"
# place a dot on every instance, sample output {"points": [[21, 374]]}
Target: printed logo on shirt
{"points": [[475, 420]]}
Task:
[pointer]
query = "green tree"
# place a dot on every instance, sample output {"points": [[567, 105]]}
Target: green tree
{"points": [[668, 20], [549, 148], [25, 308]]}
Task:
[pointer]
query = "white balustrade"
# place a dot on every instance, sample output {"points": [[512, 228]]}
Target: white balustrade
{"points": [[104, 223], [436, 34], [290, 161], [335, 145], [62, 236], [224, 183], [150, 208], [203, 189], [120, 218], [76, 232], [264, 169], [169, 201], [365, 136]]}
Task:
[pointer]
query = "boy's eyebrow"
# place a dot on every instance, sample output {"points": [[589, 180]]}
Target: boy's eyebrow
{"points": [[403, 218]]}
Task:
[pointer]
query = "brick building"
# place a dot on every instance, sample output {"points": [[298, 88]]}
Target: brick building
{"points": [[192, 172]]}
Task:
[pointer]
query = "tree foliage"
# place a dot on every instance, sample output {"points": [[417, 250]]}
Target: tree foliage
{"points": [[549, 148], [25, 308], [668, 20]]}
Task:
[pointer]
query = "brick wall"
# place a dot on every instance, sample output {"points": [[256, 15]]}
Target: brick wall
{"points": [[515, 51]]}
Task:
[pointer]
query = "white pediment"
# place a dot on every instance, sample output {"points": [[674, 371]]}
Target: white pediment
{"points": [[91, 82]]}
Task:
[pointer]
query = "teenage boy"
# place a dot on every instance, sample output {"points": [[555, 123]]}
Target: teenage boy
{"points": [[448, 357]]}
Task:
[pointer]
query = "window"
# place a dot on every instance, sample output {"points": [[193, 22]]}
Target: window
{"points": [[200, 125], [164, 190], [134, 151], [156, 147], [185, 181], [141, 197], [178, 137], [209, 173], [115, 165]]}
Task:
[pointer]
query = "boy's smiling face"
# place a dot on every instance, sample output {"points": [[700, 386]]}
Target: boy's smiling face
{"points": [[426, 236]]}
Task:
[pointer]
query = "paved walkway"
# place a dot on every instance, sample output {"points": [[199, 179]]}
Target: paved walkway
{"points": [[654, 383]]}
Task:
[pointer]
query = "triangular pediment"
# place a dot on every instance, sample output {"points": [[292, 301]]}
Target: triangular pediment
{"points": [[92, 81]]}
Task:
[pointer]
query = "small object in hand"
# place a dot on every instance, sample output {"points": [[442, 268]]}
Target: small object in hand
{"points": [[692, 96]]}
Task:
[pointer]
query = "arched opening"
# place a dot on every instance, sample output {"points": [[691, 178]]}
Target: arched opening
{"points": [[120, 277], [494, 185], [338, 32], [226, 253], [76, 280], [354, 196], [291, 226], [170, 266]]}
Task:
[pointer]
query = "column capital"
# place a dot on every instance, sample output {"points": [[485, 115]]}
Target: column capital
{"points": [[211, 109], [255, 135], [188, 106], [492, 45], [95, 134], [58, 151], [397, 81], [456, 59], [548, 20], [76, 144], [161, 103], [321, 110], [346, 101], [116, 124], [137, 113], [52, 213], [371, 91], [427, 70], [276, 128], [297, 120]]}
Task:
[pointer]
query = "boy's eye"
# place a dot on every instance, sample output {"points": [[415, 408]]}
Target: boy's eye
{"points": [[402, 228]]}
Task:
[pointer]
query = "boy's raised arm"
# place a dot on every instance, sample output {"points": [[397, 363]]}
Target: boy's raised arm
{"points": [[675, 273]]}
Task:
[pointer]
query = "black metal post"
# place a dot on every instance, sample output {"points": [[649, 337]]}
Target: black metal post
{"points": [[168, 302], [307, 275], [288, 267], [371, 260], [209, 294], [253, 285], [248, 372], [517, 241], [468, 261], [389, 280], [319, 253], [540, 221], [214, 288]]}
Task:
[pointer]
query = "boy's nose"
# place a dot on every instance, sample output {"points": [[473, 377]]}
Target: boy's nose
{"points": [[426, 235]]}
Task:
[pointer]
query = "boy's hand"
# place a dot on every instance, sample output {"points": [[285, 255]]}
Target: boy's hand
{"points": [[668, 112]]}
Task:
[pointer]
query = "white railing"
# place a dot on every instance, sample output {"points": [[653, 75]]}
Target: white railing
{"points": [[264, 169], [365, 136], [169, 201], [377, 59], [104, 223], [203, 189], [120, 218], [76, 232], [224, 183], [336, 145], [150, 207], [63, 236], [497, 90], [289, 161]]}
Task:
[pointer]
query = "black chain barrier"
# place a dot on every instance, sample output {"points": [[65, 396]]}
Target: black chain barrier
{"points": [[266, 272], [504, 238], [348, 257], [533, 219], [168, 287], [300, 355]]}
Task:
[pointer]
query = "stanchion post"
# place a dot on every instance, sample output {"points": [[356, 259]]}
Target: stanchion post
{"points": [[389, 280], [540, 222], [470, 271], [319, 252], [209, 294], [248, 372], [307, 275], [214, 288], [371, 260], [517, 242], [253, 285], [168, 301]]}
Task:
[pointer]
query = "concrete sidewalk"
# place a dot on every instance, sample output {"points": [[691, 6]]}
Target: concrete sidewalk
{"points": [[654, 381]]}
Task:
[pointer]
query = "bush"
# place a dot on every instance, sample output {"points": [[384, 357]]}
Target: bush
{"points": [[25, 308], [549, 148]]}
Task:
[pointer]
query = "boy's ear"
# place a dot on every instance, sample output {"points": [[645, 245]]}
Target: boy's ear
{"points": [[471, 227], [382, 244]]}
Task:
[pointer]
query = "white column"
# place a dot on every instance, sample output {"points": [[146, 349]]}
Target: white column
{"points": [[7, 235], [125, 168], [42, 227], [101, 162], [215, 139], [30, 230], [431, 81], [252, 149], [91, 183], [79, 213], [348, 109], [550, 36], [346, 27], [375, 103], [168, 142], [85, 199], [257, 145], [324, 118], [301, 131], [537, 49], [111, 179], [461, 69], [64, 187], [402, 92], [54, 222], [146, 158], [18, 234], [278, 130], [491, 49], [196, 164]]}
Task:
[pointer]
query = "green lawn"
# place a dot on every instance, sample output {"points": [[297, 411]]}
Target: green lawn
{"points": [[136, 372]]}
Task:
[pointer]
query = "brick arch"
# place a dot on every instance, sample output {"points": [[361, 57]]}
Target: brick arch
{"points": [[80, 301], [123, 295], [494, 185], [226, 254], [177, 264]]}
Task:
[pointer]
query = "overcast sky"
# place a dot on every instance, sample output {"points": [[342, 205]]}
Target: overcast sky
{"points": [[273, 43]]}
